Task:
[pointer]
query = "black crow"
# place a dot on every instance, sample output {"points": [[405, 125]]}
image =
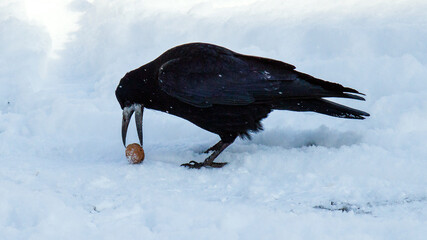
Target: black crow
{"points": [[225, 92]]}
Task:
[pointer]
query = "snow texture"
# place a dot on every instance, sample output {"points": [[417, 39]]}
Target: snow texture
{"points": [[63, 173]]}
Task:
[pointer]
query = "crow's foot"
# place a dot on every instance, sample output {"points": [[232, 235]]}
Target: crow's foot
{"points": [[209, 161], [198, 165]]}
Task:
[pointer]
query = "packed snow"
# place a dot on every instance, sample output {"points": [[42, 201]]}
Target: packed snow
{"points": [[63, 172]]}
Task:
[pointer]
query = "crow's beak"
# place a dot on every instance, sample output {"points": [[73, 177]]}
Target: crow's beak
{"points": [[127, 114]]}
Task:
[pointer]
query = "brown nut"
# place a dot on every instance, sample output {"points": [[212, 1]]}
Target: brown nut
{"points": [[135, 153]]}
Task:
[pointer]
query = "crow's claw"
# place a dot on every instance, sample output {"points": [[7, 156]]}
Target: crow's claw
{"points": [[198, 165], [217, 164], [193, 164]]}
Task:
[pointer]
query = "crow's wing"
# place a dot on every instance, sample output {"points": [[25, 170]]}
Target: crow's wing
{"points": [[233, 79]]}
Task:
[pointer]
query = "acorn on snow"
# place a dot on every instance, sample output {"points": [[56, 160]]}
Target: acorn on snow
{"points": [[135, 153]]}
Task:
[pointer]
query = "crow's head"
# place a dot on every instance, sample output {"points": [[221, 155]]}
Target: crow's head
{"points": [[129, 93]]}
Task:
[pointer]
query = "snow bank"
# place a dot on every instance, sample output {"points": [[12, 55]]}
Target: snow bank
{"points": [[63, 173]]}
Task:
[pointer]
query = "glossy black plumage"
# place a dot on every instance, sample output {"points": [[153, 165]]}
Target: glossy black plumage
{"points": [[228, 93]]}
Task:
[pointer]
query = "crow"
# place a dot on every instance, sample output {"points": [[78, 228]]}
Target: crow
{"points": [[225, 92]]}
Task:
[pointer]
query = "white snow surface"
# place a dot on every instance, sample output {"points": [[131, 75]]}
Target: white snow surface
{"points": [[63, 173]]}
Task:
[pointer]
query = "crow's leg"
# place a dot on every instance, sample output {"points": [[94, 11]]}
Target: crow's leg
{"points": [[215, 147], [219, 147]]}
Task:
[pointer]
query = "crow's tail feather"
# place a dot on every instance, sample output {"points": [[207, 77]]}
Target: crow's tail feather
{"points": [[321, 106]]}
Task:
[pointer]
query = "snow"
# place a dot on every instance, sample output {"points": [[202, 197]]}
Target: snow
{"points": [[63, 172]]}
